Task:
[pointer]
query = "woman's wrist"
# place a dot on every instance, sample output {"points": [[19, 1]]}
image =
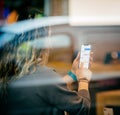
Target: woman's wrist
{"points": [[83, 79], [83, 85], [82, 82], [72, 75]]}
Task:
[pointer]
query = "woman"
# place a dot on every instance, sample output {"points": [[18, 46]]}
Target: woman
{"points": [[28, 87]]}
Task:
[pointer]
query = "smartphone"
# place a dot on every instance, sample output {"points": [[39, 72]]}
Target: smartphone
{"points": [[85, 55]]}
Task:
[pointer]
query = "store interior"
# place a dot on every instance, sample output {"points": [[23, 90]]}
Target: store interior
{"points": [[104, 37]]}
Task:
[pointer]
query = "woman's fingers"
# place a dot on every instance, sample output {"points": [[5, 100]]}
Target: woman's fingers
{"points": [[78, 57], [76, 63], [91, 58]]}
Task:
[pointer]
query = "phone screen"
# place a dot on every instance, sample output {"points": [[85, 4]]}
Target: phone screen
{"points": [[85, 55]]}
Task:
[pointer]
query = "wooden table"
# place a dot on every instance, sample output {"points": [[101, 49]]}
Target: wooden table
{"points": [[97, 67]]}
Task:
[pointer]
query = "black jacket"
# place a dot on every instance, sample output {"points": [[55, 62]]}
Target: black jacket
{"points": [[43, 93]]}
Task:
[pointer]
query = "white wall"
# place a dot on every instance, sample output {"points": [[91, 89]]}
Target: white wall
{"points": [[94, 12]]}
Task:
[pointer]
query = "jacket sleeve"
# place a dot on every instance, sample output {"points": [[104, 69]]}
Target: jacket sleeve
{"points": [[73, 102]]}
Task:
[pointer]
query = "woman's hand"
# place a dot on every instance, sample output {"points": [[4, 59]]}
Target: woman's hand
{"points": [[75, 64], [83, 73], [79, 71]]}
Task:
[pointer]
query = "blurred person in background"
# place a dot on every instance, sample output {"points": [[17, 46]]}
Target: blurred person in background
{"points": [[22, 10], [16, 11]]}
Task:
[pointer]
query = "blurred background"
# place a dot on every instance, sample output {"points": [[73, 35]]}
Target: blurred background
{"points": [[88, 22]]}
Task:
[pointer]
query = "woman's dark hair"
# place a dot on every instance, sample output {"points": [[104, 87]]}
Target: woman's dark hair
{"points": [[19, 58]]}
